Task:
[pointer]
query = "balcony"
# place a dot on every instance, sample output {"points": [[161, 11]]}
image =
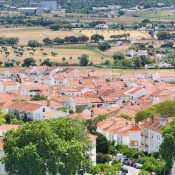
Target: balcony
{"points": [[146, 136], [142, 134], [146, 145], [142, 143]]}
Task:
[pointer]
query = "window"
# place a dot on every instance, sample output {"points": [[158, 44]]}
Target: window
{"points": [[43, 109]]}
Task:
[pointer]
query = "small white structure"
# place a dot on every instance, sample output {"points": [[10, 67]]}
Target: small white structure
{"points": [[101, 26]]}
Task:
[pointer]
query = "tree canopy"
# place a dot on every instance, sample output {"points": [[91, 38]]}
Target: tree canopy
{"points": [[28, 62], [84, 60], [34, 43], [53, 145], [104, 46], [38, 97], [97, 37]]}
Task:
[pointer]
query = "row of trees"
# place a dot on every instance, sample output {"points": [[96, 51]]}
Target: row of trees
{"points": [[125, 35], [9, 41]]}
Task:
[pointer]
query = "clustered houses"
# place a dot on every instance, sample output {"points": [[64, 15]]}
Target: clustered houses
{"points": [[95, 92]]}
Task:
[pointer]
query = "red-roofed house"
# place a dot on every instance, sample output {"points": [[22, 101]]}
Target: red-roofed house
{"points": [[6, 86], [100, 75], [163, 76], [76, 102]]}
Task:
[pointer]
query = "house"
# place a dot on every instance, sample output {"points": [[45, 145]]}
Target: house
{"points": [[37, 70], [70, 91], [100, 75], [127, 77], [101, 26], [52, 70], [136, 93], [163, 64], [55, 114], [135, 137], [32, 111], [94, 101], [76, 102], [163, 76], [69, 70], [71, 76], [6, 86], [47, 79], [149, 66], [151, 137], [59, 79], [32, 89], [12, 73], [79, 24], [142, 53]]}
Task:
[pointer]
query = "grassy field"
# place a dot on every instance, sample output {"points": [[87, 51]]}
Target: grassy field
{"points": [[25, 34], [108, 33], [95, 57], [154, 15]]}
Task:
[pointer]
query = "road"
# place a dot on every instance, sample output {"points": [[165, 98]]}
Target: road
{"points": [[132, 171]]}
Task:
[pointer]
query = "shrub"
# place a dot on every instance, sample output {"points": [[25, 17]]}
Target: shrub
{"points": [[103, 158]]}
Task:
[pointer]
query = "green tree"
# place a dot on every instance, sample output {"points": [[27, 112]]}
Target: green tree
{"points": [[28, 62], [46, 62], [144, 172], [38, 97], [104, 46], [167, 148], [84, 60], [34, 43], [97, 37], [121, 12], [118, 56], [63, 58], [151, 33], [145, 113], [55, 26], [102, 144], [103, 158], [137, 62], [8, 117], [166, 108], [127, 117], [47, 41], [162, 35], [50, 145], [58, 40]]}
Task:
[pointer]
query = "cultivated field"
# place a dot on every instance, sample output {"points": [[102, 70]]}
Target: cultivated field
{"points": [[61, 52], [26, 34], [108, 33]]}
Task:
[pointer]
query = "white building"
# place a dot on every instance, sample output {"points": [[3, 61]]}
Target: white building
{"points": [[6, 86], [101, 26], [32, 111], [93, 150], [151, 137], [163, 76]]}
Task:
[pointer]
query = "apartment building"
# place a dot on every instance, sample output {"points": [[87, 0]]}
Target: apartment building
{"points": [[151, 137]]}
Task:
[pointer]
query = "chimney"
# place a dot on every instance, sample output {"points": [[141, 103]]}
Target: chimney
{"points": [[48, 101], [92, 113], [126, 123], [152, 119], [163, 121]]}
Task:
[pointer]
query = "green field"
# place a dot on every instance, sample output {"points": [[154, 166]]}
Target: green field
{"points": [[153, 15]]}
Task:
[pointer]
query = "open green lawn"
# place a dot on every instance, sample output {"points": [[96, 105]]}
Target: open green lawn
{"points": [[164, 15]]}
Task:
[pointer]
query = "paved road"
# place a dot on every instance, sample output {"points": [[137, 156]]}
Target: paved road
{"points": [[132, 171]]}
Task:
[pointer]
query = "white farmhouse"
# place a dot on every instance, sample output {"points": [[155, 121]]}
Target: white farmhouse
{"points": [[101, 26]]}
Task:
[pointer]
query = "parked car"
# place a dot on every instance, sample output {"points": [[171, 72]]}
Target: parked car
{"points": [[123, 159], [135, 164], [131, 163], [126, 162], [124, 169], [119, 156], [138, 166]]}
